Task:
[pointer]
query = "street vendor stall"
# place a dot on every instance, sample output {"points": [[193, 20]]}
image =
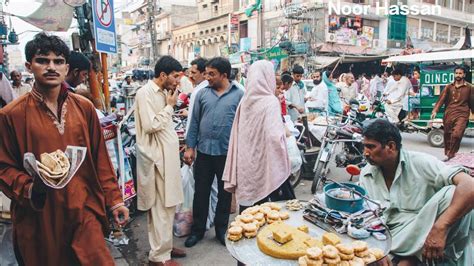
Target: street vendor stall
{"points": [[301, 233]]}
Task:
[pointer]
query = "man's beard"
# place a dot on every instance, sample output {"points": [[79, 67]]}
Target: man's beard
{"points": [[458, 78], [316, 82]]}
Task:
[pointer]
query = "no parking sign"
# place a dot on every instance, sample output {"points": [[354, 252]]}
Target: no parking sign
{"points": [[104, 26]]}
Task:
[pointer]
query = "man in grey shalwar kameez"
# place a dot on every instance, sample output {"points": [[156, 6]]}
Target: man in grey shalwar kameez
{"points": [[429, 204]]}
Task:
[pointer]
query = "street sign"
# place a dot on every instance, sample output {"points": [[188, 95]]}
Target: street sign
{"points": [[104, 26]]}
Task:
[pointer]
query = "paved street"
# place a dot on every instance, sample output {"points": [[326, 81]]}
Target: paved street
{"points": [[209, 251]]}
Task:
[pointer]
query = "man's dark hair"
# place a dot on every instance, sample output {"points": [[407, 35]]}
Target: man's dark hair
{"points": [[78, 61], [167, 64], [383, 131], [200, 63], [397, 72], [297, 69], [460, 67], [221, 64], [43, 44], [13, 71], [286, 77], [318, 71]]}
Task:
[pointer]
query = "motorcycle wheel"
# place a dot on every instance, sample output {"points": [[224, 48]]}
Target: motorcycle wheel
{"points": [[317, 182], [296, 178]]}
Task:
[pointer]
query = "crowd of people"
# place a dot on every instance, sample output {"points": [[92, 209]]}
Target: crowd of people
{"points": [[235, 135]]}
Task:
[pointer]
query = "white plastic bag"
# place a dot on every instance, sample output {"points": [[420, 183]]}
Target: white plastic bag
{"points": [[183, 219], [294, 154]]}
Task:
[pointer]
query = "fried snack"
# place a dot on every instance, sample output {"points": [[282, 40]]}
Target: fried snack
{"points": [[234, 233], [284, 215], [356, 262], [330, 252], [345, 249], [369, 258], [247, 218], [250, 230], [54, 167], [377, 252], [275, 206], [359, 246], [332, 261], [314, 253], [362, 254], [331, 239], [302, 261], [346, 256], [293, 205]]}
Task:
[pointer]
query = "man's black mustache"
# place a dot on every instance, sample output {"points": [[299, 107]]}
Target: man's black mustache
{"points": [[49, 73]]}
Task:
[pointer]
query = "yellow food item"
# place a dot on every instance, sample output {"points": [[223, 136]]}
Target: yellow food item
{"points": [[282, 236], [362, 254], [303, 228], [359, 246], [313, 242], [346, 256], [345, 249], [332, 261], [291, 250], [331, 239], [314, 253], [369, 258], [356, 262], [377, 252], [330, 252]]}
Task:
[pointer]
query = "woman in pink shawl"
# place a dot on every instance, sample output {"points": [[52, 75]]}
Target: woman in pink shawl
{"points": [[257, 163]]}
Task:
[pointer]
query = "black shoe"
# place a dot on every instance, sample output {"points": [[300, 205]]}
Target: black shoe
{"points": [[221, 238], [192, 240]]}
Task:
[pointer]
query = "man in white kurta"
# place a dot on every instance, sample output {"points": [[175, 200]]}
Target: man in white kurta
{"points": [[158, 163], [397, 96]]}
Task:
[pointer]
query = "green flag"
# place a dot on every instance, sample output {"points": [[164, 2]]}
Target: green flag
{"points": [[257, 6]]}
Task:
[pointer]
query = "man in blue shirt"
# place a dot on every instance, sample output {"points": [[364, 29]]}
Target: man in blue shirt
{"points": [[207, 141]]}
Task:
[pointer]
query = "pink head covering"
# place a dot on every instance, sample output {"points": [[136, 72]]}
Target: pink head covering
{"points": [[257, 159]]}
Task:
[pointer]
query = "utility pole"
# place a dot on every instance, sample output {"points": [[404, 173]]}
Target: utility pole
{"points": [[152, 28]]}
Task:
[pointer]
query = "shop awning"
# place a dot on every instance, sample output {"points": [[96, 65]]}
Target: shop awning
{"points": [[447, 56], [323, 61]]}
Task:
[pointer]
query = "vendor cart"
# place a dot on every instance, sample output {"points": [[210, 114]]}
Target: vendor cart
{"points": [[436, 71]]}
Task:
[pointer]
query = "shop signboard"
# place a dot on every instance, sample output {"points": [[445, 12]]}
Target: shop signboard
{"points": [[441, 77]]}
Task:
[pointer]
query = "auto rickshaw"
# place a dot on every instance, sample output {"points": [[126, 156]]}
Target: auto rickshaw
{"points": [[436, 71]]}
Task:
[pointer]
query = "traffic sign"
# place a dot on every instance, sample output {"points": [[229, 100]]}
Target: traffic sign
{"points": [[104, 26]]}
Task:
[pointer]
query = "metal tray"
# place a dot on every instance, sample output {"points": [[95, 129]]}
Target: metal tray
{"points": [[246, 250]]}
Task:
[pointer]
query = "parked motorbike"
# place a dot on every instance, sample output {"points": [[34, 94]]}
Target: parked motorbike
{"points": [[346, 134]]}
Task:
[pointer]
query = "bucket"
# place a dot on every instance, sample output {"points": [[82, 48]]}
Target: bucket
{"points": [[345, 205]]}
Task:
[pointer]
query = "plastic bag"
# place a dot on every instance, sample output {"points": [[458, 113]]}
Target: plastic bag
{"points": [[183, 219], [294, 154], [212, 205]]}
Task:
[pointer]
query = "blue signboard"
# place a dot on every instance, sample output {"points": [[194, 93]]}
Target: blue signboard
{"points": [[104, 26]]}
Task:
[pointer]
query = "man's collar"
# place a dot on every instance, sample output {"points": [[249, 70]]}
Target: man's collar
{"points": [[375, 170], [154, 86], [63, 93]]}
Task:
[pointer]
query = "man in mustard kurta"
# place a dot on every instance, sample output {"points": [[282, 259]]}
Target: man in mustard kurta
{"points": [[158, 163], [429, 205]]}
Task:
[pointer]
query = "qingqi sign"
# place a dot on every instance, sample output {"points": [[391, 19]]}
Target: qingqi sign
{"points": [[437, 77]]}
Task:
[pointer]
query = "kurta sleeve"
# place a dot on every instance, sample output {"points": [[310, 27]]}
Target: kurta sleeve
{"points": [[107, 179], [14, 182], [442, 99], [151, 121]]}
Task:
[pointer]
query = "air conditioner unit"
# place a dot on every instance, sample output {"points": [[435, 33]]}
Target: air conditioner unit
{"points": [[330, 37]]}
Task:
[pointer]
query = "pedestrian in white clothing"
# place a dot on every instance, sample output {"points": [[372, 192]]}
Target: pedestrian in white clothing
{"points": [[348, 88], [318, 97], [397, 97], [197, 76], [295, 96]]}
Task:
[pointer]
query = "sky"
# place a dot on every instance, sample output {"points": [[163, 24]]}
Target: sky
{"points": [[25, 30]]}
